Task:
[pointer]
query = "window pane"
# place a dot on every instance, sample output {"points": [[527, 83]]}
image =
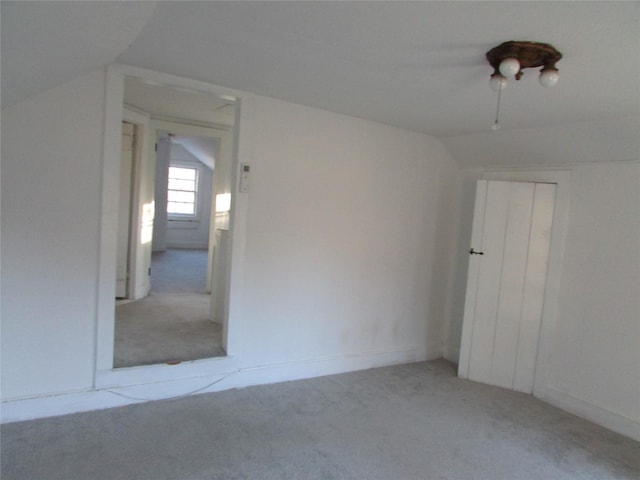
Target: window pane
{"points": [[181, 208], [189, 185], [179, 196], [182, 173], [181, 191]]}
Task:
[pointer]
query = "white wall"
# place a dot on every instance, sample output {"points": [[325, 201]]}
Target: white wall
{"points": [[51, 151], [194, 234], [161, 172], [593, 356], [459, 266], [343, 245], [348, 238], [611, 139]]}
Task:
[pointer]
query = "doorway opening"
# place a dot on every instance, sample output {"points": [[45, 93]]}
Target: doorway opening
{"points": [[173, 196]]}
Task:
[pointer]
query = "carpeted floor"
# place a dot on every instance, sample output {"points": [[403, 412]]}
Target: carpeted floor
{"points": [[407, 422], [179, 271], [166, 327], [171, 324]]}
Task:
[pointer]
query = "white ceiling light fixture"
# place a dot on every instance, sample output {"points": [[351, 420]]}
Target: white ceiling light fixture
{"points": [[497, 82], [510, 58], [509, 67]]}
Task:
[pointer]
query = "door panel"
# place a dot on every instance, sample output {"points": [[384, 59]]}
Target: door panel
{"points": [[124, 211], [505, 287], [512, 279], [533, 298], [486, 303]]}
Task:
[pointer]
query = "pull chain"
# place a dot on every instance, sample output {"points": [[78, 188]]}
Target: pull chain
{"points": [[496, 124]]}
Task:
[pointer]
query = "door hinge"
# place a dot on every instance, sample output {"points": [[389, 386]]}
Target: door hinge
{"points": [[156, 147]]}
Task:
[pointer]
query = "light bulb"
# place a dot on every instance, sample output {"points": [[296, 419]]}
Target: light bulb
{"points": [[497, 82], [509, 67], [549, 77]]}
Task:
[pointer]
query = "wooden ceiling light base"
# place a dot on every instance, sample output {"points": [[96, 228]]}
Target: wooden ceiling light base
{"points": [[529, 54]]}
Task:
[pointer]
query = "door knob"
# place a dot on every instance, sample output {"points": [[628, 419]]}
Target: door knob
{"points": [[473, 252]]}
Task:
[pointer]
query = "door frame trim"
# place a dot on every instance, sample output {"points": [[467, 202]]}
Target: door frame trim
{"points": [[105, 376], [140, 126]]}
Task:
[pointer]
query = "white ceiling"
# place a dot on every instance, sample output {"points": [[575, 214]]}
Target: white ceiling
{"points": [[415, 65], [45, 44]]}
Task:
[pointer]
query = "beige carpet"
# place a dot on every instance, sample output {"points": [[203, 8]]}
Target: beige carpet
{"points": [[171, 324], [165, 327], [410, 422]]}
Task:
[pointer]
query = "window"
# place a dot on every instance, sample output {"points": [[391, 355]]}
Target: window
{"points": [[182, 191]]}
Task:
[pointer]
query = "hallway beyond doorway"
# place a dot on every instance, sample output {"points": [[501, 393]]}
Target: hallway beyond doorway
{"points": [[177, 270], [172, 324]]}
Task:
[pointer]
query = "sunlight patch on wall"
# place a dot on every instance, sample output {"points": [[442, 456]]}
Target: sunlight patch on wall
{"points": [[146, 229]]}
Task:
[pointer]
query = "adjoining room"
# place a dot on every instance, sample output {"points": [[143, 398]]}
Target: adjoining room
{"points": [[171, 311]]}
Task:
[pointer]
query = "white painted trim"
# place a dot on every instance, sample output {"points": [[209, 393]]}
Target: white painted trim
{"points": [[241, 153], [188, 245], [592, 412], [149, 374], [225, 377], [182, 83], [192, 123], [134, 115], [223, 139], [188, 129], [136, 275], [105, 284], [114, 95]]}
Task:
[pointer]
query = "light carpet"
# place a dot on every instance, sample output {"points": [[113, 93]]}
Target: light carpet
{"points": [[408, 422], [166, 327], [171, 324]]}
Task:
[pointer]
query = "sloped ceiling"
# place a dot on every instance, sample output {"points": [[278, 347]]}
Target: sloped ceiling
{"points": [[202, 148], [45, 44], [415, 65]]}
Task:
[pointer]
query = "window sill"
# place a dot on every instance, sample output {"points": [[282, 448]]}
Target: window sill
{"points": [[183, 223]]}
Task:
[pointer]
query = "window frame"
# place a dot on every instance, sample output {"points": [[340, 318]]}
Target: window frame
{"points": [[186, 217]]}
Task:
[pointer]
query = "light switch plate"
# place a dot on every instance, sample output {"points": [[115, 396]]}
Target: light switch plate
{"points": [[245, 168]]}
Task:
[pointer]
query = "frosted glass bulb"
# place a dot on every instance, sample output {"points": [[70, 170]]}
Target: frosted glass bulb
{"points": [[497, 82], [549, 77], [509, 67]]}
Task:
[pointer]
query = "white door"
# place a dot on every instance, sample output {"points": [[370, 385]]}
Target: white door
{"points": [[506, 282], [124, 210]]}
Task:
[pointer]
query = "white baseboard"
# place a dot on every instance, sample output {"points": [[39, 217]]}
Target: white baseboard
{"points": [[328, 366], [63, 404], [606, 418], [188, 245]]}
